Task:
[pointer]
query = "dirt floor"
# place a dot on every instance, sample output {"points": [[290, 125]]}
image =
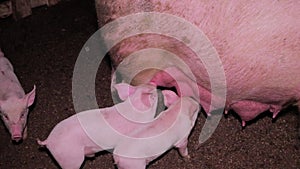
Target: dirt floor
{"points": [[43, 49]]}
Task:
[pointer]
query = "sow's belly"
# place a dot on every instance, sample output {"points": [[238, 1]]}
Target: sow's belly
{"points": [[258, 44]]}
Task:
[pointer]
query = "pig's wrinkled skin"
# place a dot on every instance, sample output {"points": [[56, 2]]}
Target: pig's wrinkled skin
{"points": [[258, 43], [74, 138], [13, 101], [246, 109], [181, 115]]}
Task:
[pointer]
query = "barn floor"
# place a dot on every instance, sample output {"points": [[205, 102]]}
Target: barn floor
{"points": [[43, 49]]}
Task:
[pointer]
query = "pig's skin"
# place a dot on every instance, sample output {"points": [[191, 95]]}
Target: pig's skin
{"points": [[246, 109], [13, 101], [69, 142], [257, 41], [133, 95], [253, 109], [182, 123]]}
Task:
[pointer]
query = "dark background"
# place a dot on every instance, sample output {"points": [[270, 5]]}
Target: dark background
{"points": [[43, 49]]}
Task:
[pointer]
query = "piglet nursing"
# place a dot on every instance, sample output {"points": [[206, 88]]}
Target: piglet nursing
{"points": [[13, 101], [176, 122], [91, 131]]}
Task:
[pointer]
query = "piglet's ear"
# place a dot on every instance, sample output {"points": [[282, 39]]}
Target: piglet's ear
{"points": [[30, 97], [169, 97], [124, 90]]}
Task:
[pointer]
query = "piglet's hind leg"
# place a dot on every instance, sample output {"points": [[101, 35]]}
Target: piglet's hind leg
{"points": [[182, 148], [69, 159]]}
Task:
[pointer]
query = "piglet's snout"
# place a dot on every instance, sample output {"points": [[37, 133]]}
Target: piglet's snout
{"points": [[16, 132]]}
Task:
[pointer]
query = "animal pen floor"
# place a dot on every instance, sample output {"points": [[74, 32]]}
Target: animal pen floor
{"points": [[43, 49]]}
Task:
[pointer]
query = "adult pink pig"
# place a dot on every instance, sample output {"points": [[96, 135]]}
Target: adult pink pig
{"points": [[91, 131], [13, 101], [258, 43]]}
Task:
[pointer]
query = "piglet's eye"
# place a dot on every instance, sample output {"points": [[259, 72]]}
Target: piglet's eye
{"points": [[22, 114], [5, 116]]}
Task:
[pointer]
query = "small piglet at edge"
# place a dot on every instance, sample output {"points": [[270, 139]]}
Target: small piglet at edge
{"points": [[14, 102]]}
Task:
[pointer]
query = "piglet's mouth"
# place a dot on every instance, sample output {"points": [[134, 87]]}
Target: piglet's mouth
{"points": [[16, 138]]}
